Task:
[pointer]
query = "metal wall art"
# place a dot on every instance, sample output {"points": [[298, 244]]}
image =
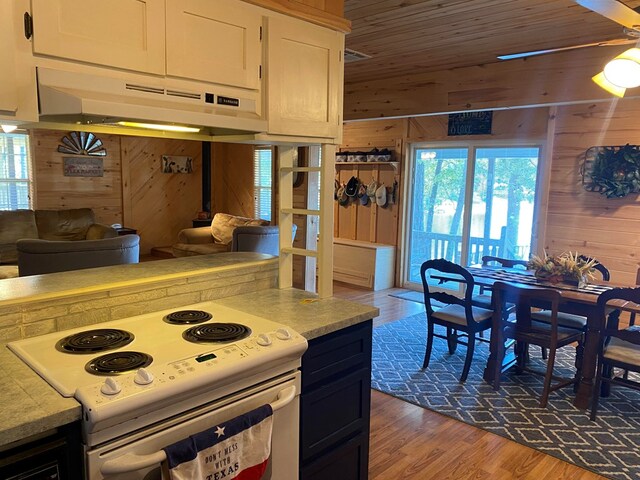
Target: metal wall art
{"points": [[82, 143]]}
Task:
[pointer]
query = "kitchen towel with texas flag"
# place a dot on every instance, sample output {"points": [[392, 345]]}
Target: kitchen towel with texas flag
{"points": [[238, 449]]}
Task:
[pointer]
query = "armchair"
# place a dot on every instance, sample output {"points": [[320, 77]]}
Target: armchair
{"points": [[36, 256], [258, 239], [215, 239]]}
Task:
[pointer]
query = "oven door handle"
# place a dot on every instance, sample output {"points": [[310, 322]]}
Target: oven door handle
{"points": [[130, 462]]}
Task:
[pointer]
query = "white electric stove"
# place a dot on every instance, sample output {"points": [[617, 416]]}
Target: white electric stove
{"points": [[138, 376]]}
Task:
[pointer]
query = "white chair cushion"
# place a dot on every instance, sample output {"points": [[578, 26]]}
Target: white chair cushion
{"points": [[621, 351], [455, 314]]}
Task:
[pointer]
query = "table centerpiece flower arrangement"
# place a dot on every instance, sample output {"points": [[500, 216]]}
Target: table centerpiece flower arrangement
{"points": [[567, 267]]}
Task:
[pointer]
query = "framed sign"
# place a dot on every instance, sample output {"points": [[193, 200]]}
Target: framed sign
{"points": [[471, 123], [82, 167], [177, 164]]}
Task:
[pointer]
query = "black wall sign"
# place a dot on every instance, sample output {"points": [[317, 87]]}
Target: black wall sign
{"points": [[471, 123]]}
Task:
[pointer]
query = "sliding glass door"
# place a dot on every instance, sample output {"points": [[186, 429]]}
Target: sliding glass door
{"points": [[470, 201]]}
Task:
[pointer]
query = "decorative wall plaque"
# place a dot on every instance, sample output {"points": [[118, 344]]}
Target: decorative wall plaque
{"points": [[470, 123], [176, 164], [82, 167], [82, 143]]}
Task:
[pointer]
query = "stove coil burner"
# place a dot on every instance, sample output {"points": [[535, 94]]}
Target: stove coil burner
{"points": [[92, 341], [183, 317], [118, 362], [216, 333]]}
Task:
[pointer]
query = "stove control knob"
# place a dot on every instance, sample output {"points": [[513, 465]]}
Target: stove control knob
{"points": [[283, 334], [143, 377], [263, 340], [110, 386]]}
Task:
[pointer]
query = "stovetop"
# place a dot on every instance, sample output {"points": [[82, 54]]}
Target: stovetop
{"points": [[173, 357]]}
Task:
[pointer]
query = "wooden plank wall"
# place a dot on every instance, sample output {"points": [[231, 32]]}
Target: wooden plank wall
{"points": [[232, 179], [133, 191], [54, 191], [159, 204], [370, 223], [585, 221]]}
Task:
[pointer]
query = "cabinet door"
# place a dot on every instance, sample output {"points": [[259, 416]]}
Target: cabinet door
{"points": [[8, 80], [215, 42], [305, 72], [119, 33]]}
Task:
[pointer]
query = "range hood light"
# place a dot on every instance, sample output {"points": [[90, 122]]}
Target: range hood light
{"points": [[157, 126], [8, 128]]}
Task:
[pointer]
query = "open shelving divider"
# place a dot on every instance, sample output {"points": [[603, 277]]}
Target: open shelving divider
{"points": [[323, 253]]}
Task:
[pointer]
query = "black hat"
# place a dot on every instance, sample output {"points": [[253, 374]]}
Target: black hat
{"points": [[352, 187]]}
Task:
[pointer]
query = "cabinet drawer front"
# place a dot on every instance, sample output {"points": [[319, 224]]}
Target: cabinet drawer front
{"points": [[124, 33], [334, 354], [335, 412], [216, 42], [348, 461]]}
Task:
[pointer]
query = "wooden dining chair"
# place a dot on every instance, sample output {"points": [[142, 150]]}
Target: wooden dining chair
{"points": [[570, 320], [525, 330], [482, 299], [619, 348], [460, 318], [632, 316]]}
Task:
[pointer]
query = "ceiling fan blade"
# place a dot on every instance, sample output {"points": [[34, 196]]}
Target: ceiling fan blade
{"points": [[613, 10], [607, 43]]}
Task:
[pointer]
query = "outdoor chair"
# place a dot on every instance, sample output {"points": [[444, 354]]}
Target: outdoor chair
{"points": [[459, 315], [619, 348], [525, 330]]}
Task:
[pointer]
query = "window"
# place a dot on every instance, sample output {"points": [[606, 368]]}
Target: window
{"points": [[469, 201], [262, 183], [15, 172]]}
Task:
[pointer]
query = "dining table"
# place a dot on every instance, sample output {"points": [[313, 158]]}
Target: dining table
{"points": [[577, 300]]}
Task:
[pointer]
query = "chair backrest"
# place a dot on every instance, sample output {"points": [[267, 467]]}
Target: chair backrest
{"points": [[524, 297], [631, 334], [253, 238], [447, 267], [503, 262], [604, 271], [37, 256]]}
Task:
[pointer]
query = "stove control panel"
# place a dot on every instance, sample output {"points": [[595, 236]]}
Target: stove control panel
{"points": [[210, 367]]}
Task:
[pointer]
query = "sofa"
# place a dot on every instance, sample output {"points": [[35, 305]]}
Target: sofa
{"points": [[36, 256], [228, 233], [55, 225]]}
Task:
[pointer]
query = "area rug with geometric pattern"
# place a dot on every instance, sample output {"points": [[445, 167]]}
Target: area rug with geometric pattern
{"points": [[607, 446]]}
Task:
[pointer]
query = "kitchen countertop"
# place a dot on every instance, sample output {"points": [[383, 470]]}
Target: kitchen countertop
{"points": [[31, 406], [55, 285]]}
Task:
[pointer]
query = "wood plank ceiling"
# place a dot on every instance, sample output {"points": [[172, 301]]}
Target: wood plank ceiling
{"points": [[408, 37]]}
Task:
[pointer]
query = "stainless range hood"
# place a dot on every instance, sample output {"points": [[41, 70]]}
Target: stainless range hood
{"points": [[96, 100]]}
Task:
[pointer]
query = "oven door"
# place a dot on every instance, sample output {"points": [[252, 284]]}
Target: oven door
{"points": [[136, 455]]}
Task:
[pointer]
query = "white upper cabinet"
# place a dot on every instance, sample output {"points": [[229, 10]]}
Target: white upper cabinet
{"points": [[127, 34], [305, 72], [217, 41], [8, 80]]}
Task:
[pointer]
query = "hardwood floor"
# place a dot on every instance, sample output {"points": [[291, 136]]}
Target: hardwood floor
{"points": [[411, 442]]}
